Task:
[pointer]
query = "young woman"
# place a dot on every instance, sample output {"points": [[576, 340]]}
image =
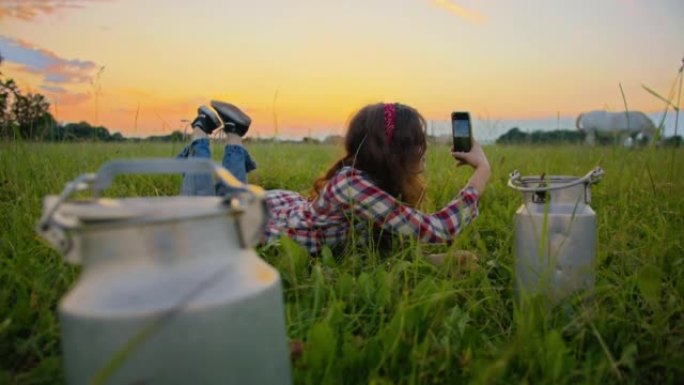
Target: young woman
{"points": [[376, 185]]}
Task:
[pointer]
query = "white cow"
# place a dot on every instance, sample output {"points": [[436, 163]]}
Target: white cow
{"points": [[623, 124]]}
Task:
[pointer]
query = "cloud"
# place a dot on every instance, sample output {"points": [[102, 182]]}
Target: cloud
{"points": [[53, 68], [28, 10], [57, 75], [63, 97], [460, 11], [54, 89]]}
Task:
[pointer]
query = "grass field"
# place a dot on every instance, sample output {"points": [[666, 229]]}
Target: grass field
{"points": [[390, 318]]}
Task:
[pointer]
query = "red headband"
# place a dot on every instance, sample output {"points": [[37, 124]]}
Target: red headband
{"points": [[390, 113]]}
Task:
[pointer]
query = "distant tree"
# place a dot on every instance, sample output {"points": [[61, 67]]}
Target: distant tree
{"points": [[515, 136], [26, 116], [8, 92], [333, 139], [176, 136], [308, 139], [30, 112], [100, 133], [83, 131], [672, 141]]}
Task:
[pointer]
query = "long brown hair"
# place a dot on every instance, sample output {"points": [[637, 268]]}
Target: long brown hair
{"points": [[390, 161]]}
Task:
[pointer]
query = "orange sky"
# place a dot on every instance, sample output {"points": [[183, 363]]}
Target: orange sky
{"points": [[141, 67]]}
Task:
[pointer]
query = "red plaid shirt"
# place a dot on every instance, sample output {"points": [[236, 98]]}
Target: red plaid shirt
{"points": [[351, 194]]}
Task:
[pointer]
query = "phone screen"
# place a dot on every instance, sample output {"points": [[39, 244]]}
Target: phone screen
{"points": [[461, 128]]}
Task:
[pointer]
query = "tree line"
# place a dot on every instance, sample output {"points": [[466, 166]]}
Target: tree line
{"points": [[516, 136]]}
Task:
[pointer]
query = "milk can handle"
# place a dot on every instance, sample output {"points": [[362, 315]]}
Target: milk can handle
{"points": [[106, 174], [593, 176]]}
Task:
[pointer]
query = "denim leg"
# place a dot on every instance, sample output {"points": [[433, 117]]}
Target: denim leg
{"points": [[196, 183], [237, 160]]}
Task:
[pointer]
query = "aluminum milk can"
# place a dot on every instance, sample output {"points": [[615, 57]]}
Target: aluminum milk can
{"points": [[171, 290], [555, 235]]}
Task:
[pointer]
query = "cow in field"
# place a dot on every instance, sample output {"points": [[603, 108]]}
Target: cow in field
{"points": [[623, 125]]}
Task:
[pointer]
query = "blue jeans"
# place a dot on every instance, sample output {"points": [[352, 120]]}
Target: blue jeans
{"points": [[236, 159]]}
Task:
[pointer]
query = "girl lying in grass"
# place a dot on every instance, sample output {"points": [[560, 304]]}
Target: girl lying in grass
{"points": [[377, 182]]}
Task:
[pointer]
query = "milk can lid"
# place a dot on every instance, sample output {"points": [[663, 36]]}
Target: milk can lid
{"points": [[125, 209], [554, 182]]}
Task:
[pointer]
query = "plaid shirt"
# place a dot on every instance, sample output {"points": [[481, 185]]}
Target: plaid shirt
{"points": [[351, 194]]}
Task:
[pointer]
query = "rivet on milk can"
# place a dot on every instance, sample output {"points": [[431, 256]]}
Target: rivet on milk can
{"points": [[555, 235], [171, 290]]}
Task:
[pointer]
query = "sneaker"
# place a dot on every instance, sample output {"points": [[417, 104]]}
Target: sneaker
{"points": [[207, 120], [234, 120]]}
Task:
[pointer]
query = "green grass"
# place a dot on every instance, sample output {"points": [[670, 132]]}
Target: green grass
{"points": [[384, 318]]}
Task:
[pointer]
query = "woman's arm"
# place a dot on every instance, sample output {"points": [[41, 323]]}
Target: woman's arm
{"points": [[478, 160], [353, 192], [479, 178]]}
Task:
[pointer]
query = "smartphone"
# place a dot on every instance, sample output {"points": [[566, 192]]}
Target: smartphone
{"points": [[462, 131]]}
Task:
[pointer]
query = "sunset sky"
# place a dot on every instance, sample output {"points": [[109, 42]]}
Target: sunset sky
{"points": [[143, 66]]}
